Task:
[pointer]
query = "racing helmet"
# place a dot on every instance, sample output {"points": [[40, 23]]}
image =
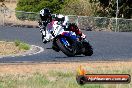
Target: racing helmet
{"points": [[45, 15]]}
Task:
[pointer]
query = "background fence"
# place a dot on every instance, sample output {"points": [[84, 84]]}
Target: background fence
{"points": [[30, 19]]}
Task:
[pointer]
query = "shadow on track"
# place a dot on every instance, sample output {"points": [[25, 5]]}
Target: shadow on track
{"points": [[70, 57]]}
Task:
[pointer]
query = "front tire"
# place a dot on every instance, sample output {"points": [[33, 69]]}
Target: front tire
{"points": [[64, 49]]}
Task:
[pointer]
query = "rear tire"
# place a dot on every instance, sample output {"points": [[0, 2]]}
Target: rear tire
{"points": [[88, 49], [64, 49]]}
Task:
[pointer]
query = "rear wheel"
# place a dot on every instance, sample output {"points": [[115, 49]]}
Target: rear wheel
{"points": [[88, 49], [66, 49]]}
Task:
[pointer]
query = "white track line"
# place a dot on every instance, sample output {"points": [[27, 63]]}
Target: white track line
{"points": [[26, 53]]}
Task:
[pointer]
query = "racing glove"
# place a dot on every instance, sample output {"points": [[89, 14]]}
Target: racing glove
{"points": [[83, 36]]}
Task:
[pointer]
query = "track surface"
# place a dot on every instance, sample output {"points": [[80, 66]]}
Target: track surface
{"points": [[107, 46]]}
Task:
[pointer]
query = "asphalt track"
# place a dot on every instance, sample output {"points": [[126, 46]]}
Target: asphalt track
{"points": [[108, 46]]}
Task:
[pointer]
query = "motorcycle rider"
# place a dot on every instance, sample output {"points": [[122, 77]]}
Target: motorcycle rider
{"points": [[48, 20], [45, 19]]}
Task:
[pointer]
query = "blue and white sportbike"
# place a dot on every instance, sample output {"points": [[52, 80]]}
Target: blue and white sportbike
{"points": [[66, 41]]}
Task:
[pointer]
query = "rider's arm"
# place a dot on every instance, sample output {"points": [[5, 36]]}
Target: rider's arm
{"points": [[73, 27]]}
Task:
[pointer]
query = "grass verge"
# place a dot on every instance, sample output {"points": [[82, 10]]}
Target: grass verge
{"points": [[62, 75], [13, 48]]}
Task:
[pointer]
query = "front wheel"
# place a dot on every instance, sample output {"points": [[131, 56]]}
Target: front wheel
{"points": [[65, 46]]}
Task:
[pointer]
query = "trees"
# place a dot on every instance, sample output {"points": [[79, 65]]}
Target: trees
{"points": [[104, 8], [108, 8], [78, 7], [37, 5], [68, 7]]}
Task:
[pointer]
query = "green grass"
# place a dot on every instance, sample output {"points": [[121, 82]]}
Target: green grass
{"points": [[39, 80], [22, 45], [53, 79]]}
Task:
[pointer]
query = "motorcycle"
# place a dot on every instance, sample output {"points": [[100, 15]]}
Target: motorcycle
{"points": [[68, 42]]}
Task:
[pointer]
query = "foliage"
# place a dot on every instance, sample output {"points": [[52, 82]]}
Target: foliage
{"points": [[108, 8], [78, 7], [24, 46], [67, 7], [17, 42], [103, 8], [21, 45], [36, 6]]}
